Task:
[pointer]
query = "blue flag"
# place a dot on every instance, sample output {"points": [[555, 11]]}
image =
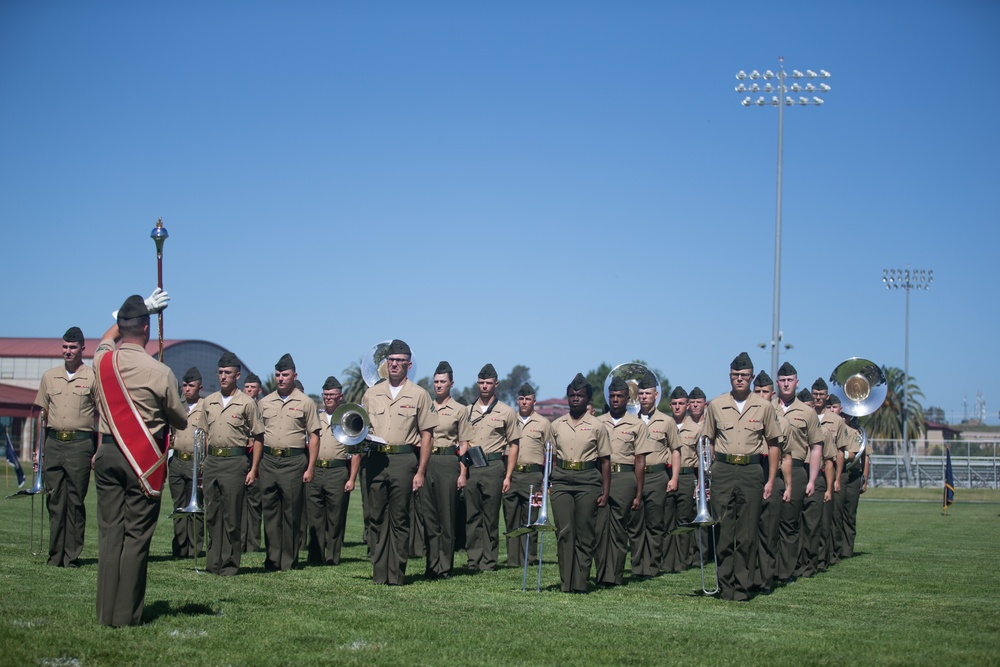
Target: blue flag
{"points": [[12, 460], [949, 480]]}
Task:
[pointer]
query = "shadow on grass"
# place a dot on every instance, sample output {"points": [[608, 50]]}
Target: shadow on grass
{"points": [[164, 608]]}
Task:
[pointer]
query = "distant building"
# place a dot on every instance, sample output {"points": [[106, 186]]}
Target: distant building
{"points": [[23, 361], [552, 408]]}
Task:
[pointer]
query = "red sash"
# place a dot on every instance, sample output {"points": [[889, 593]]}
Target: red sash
{"points": [[130, 432]]}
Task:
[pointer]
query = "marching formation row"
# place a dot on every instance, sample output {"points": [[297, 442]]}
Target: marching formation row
{"points": [[784, 471]]}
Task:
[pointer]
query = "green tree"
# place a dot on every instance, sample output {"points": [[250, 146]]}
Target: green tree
{"points": [[270, 385], [508, 387], [354, 383], [935, 414], [886, 423]]}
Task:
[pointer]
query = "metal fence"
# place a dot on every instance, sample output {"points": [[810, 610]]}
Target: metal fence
{"points": [[974, 464]]}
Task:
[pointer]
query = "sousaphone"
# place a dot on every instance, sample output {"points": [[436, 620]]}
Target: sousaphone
{"points": [[861, 387], [631, 373], [375, 368]]}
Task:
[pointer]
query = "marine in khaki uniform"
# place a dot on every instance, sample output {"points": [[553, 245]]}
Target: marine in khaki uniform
{"points": [[853, 480], [232, 421], [832, 424], [189, 529], [291, 444], [496, 429], [770, 510], [328, 496], [819, 492], [445, 475], [402, 417], [536, 430], [742, 428], [250, 523], [138, 401], [630, 443], [581, 482], [654, 549], [66, 397], [688, 432]]}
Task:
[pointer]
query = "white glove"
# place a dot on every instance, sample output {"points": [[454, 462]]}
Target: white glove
{"points": [[157, 301]]}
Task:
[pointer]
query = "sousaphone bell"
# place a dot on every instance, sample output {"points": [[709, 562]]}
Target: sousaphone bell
{"points": [[861, 387], [631, 373]]}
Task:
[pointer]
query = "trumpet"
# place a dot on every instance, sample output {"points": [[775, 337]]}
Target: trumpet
{"points": [[704, 517], [200, 446], [35, 490], [539, 499]]}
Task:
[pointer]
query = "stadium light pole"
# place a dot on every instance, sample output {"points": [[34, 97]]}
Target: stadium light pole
{"points": [[780, 100], [908, 280]]}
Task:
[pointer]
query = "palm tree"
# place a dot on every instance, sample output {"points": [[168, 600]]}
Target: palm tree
{"points": [[270, 385], [886, 423], [354, 383]]}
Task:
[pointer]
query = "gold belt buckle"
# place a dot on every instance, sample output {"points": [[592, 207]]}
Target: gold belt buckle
{"points": [[278, 451], [576, 465], [740, 459], [65, 436]]}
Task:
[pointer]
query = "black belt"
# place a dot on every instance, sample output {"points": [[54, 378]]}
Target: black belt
{"points": [[445, 451], [529, 467], [687, 471], [394, 449], [228, 451], [69, 436], [622, 467], [331, 463], [281, 452], [740, 459], [495, 456], [576, 465], [657, 467]]}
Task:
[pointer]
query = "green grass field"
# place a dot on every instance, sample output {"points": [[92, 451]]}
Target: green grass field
{"points": [[922, 590]]}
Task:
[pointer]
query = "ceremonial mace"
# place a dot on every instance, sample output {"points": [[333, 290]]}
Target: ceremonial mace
{"points": [[159, 235]]}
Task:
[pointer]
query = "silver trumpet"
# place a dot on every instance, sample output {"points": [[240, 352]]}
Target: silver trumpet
{"points": [[541, 523], [36, 490], [704, 517], [194, 508]]}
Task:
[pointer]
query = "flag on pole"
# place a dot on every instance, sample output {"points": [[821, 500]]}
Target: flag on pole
{"points": [[13, 461], [949, 480]]}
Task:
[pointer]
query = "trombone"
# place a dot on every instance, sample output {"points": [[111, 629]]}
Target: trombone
{"points": [[36, 490], [541, 523], [194, 507], [704, 517]]}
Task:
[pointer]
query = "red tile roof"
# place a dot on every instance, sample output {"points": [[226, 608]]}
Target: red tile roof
{"points": [[17, 401], [51, 348]]}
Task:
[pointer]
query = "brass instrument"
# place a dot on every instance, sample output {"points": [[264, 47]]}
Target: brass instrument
{"points": [[631, 373], [194, 507], [374, 367], [704, 517], [36, 489], [861, 387], [350, 423], [539, 499]]}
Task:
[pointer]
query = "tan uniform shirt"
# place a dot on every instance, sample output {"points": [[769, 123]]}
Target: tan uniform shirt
{"points": [[833, 425], [330, 449], [399, 420], [151, 385], [663, 437], [234, 424], [288, 423], [69, 404], [182, 439], [497, 430], [629, 437], [852, 437], [453, 424], [688, 433], [741, 434], [536, 430], [802, 431], [588, 440]]}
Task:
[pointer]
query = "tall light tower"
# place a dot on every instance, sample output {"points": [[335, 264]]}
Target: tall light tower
{"points": [[780, 100], [907, 279]]}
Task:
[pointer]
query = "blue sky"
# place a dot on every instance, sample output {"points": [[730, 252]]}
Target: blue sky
{"points": [[553, 184]]}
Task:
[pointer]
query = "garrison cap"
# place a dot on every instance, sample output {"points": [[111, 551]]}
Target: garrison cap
{"points": [[678, 392], [697, 393], [647, 381], [285, 363], [192, 375], [787, 369], [820, 385], [252, 378], [298, 385], [579, 382], [442, 368], [763, 380], [229, 360], [488, 372], [741, 363], [805, 396], [833, 400], [618, 384], [398, 347], [73, 335], [526, 390], [134, 306], [332, 383]]}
